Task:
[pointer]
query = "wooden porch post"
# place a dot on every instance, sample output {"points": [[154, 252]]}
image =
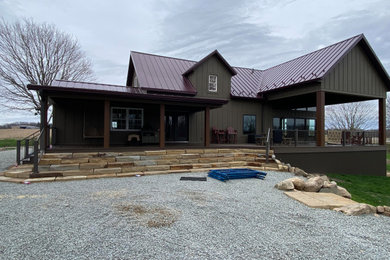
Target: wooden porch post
{"points": [[106, 124], [320, 118], [43, 140], [382, 121], [162, 126], [207, 126]]}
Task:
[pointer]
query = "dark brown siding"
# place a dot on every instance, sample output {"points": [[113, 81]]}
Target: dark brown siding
{"points": [[355, 75], [230, 114], [200, 77], [344, 160]]}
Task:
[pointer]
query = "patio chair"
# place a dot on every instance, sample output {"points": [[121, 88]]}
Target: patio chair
{"points": [[231, 135]]}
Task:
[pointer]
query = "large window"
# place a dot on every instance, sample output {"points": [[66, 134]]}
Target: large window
{"points": [[213, 83], [249, 124], [127, 118]]}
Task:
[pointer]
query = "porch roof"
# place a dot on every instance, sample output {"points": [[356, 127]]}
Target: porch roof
{"points": [[112, 91]]}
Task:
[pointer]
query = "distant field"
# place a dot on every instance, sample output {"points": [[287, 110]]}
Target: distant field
{"points": [[16, 133]]}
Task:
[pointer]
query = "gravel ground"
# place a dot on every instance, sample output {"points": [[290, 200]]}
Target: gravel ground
{"points": [[7, 158], [160, 217]]}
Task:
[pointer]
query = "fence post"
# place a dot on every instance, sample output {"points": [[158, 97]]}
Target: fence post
{"points": [[296, 137], [35, 168], [344, 137], [26, 147], [267, 147], [17, 152]]}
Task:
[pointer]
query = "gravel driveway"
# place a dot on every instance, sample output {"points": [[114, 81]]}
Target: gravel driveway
{"points": [[160, 217]]}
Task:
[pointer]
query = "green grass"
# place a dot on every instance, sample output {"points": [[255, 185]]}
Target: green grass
{"points": [[374, 190], [8, 143], [388, 156]]}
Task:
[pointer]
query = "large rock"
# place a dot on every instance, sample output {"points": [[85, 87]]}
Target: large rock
{"points": [[328, 184], [336, 190], [343, 192], [314, 184], [380, 209], [285, 185], [299, 184], [300, 172], [357, 209]]}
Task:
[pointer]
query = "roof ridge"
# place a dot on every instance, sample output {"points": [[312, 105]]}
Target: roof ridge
{"points": [[161, 56], [326, 47], [94, 83], [239, 67]]}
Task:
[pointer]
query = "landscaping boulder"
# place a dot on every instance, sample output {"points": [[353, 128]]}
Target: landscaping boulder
{"points": [[336, 190], [299, 184], [386, 211], [328, 184], [300, 172], [285, 185], [314, 184], [380, 209], [357, 209]]}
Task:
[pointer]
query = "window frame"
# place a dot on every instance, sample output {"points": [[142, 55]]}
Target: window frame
{"points": [[127, 119], [213, 83], [243, 124]]}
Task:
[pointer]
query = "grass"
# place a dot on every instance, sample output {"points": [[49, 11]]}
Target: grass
{"points": [[374, 190], [7, 143]]}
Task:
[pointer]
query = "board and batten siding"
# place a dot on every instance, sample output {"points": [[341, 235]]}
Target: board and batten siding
{"points": [[200, 79], [355, 75], [230, 114]]}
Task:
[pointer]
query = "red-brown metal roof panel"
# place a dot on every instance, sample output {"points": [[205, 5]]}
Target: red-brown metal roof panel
{"points": [[164, 74], [306, 68]]}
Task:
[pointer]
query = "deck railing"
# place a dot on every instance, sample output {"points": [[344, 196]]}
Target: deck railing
{"points": [[332, 137]]}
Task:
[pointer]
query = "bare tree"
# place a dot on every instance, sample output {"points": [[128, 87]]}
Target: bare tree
{"points": [[352, 116], [36, 54]]}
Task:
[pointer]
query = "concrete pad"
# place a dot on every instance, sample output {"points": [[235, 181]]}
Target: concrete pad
{"points": [[320, 200]]}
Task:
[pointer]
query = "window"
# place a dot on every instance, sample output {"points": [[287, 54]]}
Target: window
{"points": [[127, 118], [249, 124], [213, 83]]}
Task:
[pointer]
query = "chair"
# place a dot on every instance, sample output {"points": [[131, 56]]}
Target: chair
{"points": [[214, 135], [221, 136], [231, 135]]}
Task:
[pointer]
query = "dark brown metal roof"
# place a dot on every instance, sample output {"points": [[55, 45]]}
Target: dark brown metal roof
{"points": [[63, 86], [162, 74], [312, 66]]}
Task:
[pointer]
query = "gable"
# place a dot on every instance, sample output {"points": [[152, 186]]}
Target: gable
{"points": [[357, 74], [200, 78]]}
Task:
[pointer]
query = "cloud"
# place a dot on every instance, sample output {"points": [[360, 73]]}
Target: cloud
{"points": [[249, 33]]}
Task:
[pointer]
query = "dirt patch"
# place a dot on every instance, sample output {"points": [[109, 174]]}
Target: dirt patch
{"points": [[148, 216], [16, 133]]}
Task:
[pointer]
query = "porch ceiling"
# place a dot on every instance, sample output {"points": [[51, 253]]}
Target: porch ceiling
{"points": [[309, 100]]}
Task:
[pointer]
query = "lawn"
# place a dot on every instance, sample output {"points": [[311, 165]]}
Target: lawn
{"points": [[374, 190], [7, 143]]}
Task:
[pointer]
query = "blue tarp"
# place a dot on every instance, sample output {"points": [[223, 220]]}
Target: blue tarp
{"points": [[228, 174]]}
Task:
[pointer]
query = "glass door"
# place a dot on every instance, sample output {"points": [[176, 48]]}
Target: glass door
{"points": [[176, 126]]}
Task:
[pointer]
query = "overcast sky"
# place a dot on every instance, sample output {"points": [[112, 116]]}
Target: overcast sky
{"points": [[255, 34]]}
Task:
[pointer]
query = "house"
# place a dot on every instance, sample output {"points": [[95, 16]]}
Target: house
{"points": [[170, 100]]}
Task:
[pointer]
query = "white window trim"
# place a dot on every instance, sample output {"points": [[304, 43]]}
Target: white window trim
{"points": [[216, 83], [127, 118]]}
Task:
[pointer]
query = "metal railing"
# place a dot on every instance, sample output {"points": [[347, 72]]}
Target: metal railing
{"points": [[35, 139], [332, 137]]}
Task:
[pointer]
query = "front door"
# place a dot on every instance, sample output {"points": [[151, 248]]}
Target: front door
{"points": [[176, 126]]}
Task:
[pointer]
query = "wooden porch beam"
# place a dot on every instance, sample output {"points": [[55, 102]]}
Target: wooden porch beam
{"points": [[320, 118], [162, 126], [207, 126], [382, 121], [106, 124], [44, 135]]}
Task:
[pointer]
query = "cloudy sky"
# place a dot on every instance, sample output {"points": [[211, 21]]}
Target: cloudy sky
{"points": [[255, 34]]}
